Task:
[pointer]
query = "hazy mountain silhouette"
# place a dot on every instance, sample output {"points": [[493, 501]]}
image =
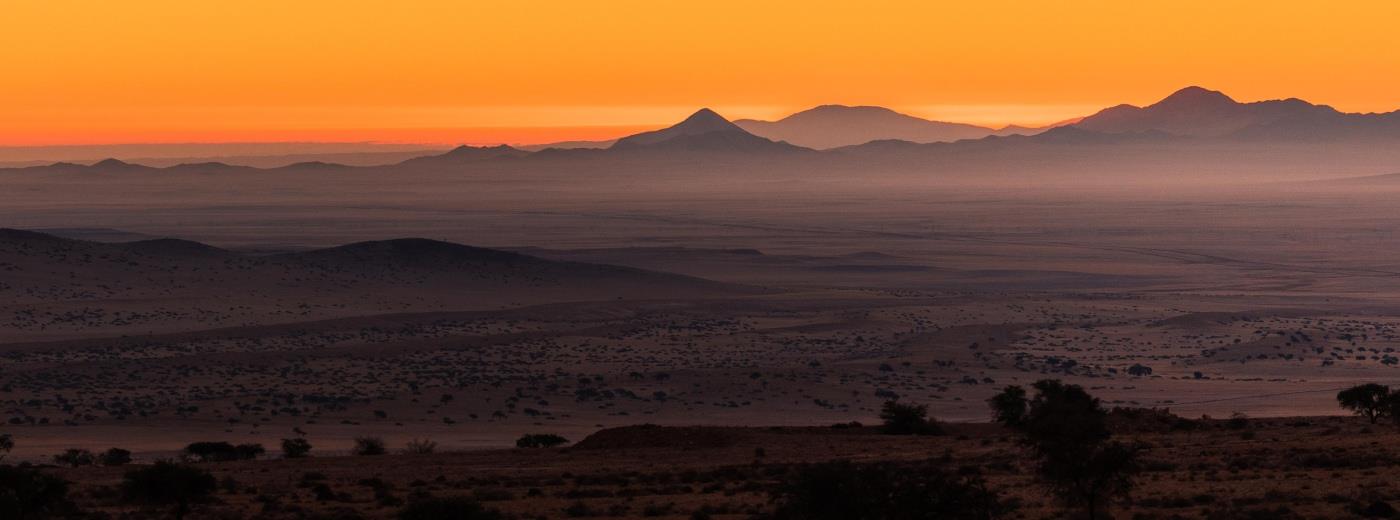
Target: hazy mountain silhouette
{"points": [[1199, 112], [831, 126], [702, 131], [467, 154]]}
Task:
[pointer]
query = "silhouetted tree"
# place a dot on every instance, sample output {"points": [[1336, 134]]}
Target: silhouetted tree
{"points": [[167, 483], [29, 494], [1370, 400], [1067, 430], [295, 448], [907, 419]]}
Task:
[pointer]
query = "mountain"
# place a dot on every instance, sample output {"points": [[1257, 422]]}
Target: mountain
{"points": [[831, 126], [1199, 112], [467, 154], [703, 131]]}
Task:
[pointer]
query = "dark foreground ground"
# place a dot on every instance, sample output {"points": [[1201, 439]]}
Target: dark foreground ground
{"points": [[1305, 467]]}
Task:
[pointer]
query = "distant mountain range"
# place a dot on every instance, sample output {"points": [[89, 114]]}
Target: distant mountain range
{"points": [[831, 126], [841, 136]]}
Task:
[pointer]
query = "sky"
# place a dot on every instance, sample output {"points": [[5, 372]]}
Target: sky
{"points": [[437, 71]]}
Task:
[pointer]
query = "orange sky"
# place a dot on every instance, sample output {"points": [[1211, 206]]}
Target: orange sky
{"points": [[101, 71]]}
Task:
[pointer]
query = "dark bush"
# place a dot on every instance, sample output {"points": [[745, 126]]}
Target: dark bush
{"points": [[365, 446], [540, 440], [221, 452], [29, 494], [1067, 430], [847, 491], [295, 448], [115, 457], [167, 483], [75, 457], [907, 419]]}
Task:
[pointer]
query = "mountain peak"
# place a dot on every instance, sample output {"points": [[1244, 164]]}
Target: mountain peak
{"points": [[705, 120], [1196, 96]]}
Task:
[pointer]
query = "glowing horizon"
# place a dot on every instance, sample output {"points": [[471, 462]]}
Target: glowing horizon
{"points": [[152, 71]]}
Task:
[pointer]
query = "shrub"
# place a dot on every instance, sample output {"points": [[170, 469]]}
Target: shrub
{"points": [[368, 446], [7, 443], [540, 440], [1067, 430], [167, 483], [847, 491], [75, 457], [450, 508], [221, 452], [115, 457], [420, 447], [295, 448], [907, 419], [27, 493]]}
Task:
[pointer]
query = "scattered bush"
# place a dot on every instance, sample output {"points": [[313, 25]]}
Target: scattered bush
{"points": [[847, 491], [7, 443], [420, 447], [365, 446], [295, 448], [167, 483], [75, 457], [907, 419], [220, 452], [540, 440], [1067, 430], [115, 457], [27, 493]]}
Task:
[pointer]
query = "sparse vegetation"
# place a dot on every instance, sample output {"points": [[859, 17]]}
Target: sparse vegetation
{"points": [[540, 440], [907, 419], [368, 446], [846, 491], [168, 484], [296, 448], [30, 494], [1067, 430]]}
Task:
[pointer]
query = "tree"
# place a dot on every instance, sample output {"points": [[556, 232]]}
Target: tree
{"points": [[75, 457], [295, 448], [540, 440], [1370, 400], [167, 483], [7, 443], [1009, 406], [883, 491], [449, 508], [1067, 430], [29, 494], [368, 446], [115, 457], [907, 419]]}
